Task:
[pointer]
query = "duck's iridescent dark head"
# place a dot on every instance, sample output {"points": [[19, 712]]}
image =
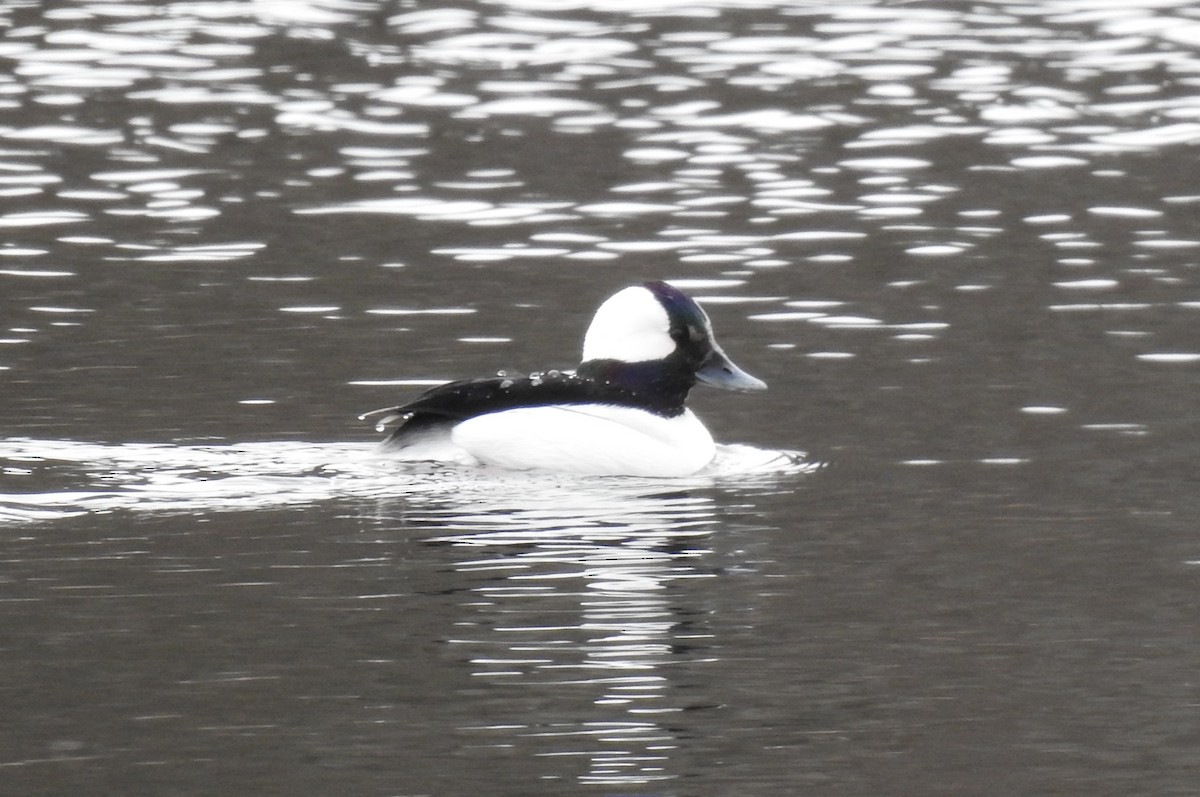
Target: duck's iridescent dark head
{"points": [[657, 321]]}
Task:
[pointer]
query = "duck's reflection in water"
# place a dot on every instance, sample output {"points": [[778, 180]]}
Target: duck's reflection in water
{"points": [[583, 621]]}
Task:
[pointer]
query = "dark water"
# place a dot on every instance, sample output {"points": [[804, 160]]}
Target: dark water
{"points": [[959, 241]]}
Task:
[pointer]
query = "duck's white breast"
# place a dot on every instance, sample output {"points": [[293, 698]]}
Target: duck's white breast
{"points": [[595, 439]]}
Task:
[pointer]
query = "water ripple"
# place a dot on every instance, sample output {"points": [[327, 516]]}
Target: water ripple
{"points": [[188, 479]]}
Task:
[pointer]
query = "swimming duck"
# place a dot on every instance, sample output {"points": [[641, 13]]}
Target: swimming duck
{"points": [[622, 412]]}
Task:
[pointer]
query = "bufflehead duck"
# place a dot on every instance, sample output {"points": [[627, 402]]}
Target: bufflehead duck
{"points": [[621, 413]]}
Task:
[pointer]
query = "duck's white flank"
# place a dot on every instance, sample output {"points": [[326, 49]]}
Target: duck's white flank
{"points": [[594, 439], [631, 326]]}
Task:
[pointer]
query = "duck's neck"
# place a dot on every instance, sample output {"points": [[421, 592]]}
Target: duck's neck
{"points": [[660, 386]]}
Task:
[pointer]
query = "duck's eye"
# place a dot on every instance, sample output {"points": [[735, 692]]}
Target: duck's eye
{"points": [[695, 333]]}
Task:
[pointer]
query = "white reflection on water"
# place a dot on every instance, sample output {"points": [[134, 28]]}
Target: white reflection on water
{"points": [[584, 598], [577, 590]]}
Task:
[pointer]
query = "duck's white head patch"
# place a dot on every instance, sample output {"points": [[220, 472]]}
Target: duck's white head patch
{"points": [[631, 326]]}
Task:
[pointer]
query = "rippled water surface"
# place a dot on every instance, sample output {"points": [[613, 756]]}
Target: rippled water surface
{"points": [[959, 241]]}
